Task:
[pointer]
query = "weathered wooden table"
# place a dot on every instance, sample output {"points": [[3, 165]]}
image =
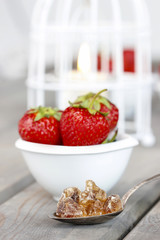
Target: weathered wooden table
{"points": [[24, 205]]}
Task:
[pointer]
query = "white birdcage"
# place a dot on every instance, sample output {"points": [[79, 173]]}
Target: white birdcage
{"points": [[88, 45]]}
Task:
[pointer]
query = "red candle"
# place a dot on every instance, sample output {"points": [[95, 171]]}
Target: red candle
{"points": [[129, 60]]}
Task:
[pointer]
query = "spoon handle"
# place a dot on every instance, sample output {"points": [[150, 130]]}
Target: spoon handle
{"points": [[132, 190]]}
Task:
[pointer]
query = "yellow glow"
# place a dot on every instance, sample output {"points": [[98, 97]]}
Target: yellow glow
{"points": [[84, 60]]}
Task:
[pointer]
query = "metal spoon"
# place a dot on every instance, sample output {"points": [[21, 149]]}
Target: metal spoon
{"points": [[105, 217]]}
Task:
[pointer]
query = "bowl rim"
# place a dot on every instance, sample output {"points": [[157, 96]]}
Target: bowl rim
{"points": [[123, 141]]}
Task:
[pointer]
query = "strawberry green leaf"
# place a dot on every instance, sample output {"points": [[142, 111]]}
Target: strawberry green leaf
{"points": [[58, 115], [89, 95], [80, 99], [96, 105], [38, 117], [105, 102], [92, 111], [46, 112], [112, 139], [76, 105], [85, 104], [104, 113], [91, 101]]}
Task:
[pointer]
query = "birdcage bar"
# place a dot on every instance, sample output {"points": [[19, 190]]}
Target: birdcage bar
{"points": [[118, 69]]}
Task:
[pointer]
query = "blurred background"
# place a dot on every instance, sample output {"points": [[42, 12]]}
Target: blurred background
{"points": [[15, 18]]}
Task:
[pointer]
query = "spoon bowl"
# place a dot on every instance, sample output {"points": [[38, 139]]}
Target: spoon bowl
{"points": [[105, 217], [86, 220]]}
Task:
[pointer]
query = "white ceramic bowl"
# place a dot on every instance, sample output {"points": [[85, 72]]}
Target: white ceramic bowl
{"points": [[58, 167]]}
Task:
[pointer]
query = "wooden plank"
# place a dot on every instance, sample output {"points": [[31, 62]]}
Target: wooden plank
{"points": [[149, 227], [25, 217], [14, 175]]}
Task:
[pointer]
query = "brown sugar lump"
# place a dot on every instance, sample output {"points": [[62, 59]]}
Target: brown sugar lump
{"points": [[113, 204], [93, 201], [68, 205]]}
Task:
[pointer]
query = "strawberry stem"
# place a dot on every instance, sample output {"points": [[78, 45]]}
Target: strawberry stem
{"points": [[91, 110]]}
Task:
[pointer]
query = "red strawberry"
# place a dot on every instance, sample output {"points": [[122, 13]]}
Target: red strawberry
{"points": [[41, 125], [81, 126], [102, 105], [113, 114]]}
